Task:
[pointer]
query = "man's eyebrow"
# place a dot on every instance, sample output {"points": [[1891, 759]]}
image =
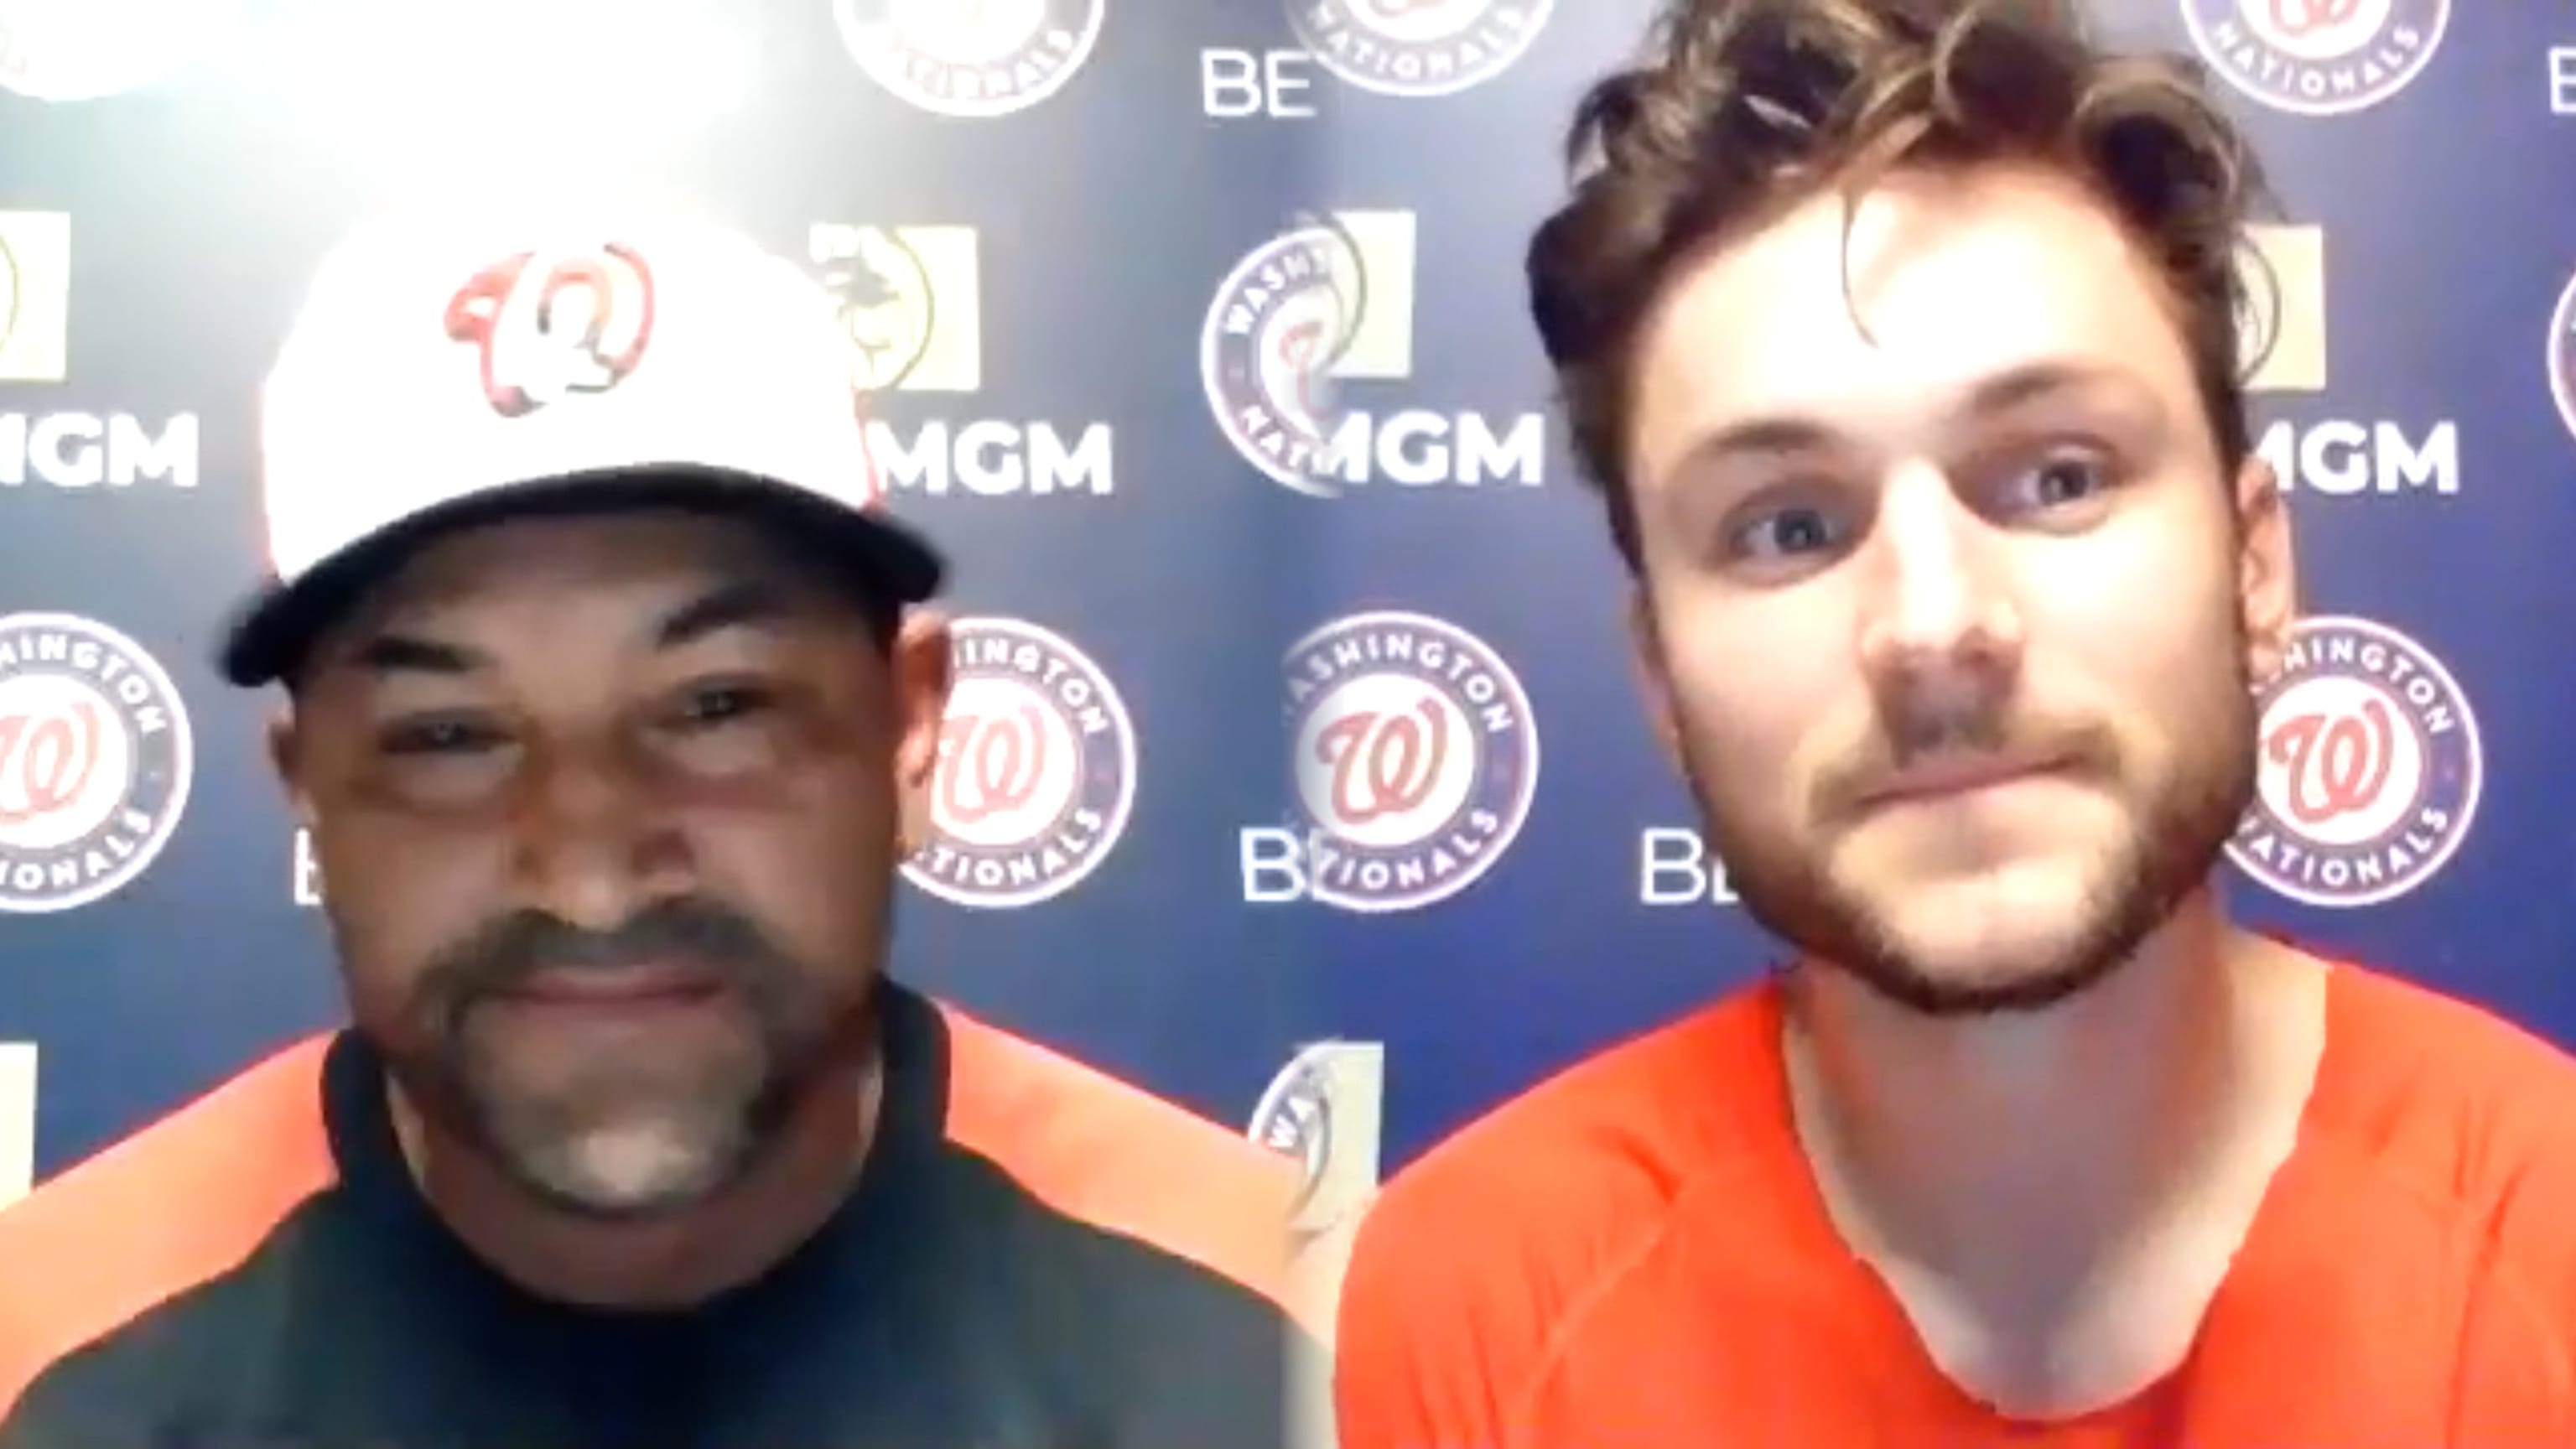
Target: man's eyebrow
{"points": [[1756, 437], [392, 653], [730, 606], [2039, 380]]}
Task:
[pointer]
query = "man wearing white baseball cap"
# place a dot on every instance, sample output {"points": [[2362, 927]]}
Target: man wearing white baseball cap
{"points": [[607, 693]]}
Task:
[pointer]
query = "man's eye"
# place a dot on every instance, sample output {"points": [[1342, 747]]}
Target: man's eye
{"points": [[1788, 532], [438, 737], [2058, 481], [717, 705]]}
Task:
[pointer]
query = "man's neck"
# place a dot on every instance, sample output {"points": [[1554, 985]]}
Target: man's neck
{"points": [[2015, 1169], [667, 1262]]}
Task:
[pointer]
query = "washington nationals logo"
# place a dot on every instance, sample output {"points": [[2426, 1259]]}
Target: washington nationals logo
{"points": [[1295, 1119], [547, 325], [1278, 324], [970, 58], [2369, 768], [2258, 308], [1416, 758], [2318, 57], [95, 761], [1418, 48], [1037, 770], [888, 308], [2562, 355]]}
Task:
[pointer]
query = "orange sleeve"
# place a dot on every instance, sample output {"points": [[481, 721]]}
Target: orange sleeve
{"points": [[173, 1206], [2516, 1384], [2517, 1355], [1487, 1258], [1415, 1365], [1118, 1157], [2490, 1145]]}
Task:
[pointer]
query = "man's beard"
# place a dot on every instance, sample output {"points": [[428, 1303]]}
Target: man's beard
{"points": [[629, 1139], [2133, 886]]}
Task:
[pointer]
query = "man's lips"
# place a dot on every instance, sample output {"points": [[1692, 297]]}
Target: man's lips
{"points": [[620, 986], [1957, 775]]}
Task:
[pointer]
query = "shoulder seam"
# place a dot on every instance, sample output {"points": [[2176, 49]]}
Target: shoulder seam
{"points": [[141, 1311], [2529, 1305], [1559, 1343], [120, 1201], [2450, 1213], [1043, 1119]]}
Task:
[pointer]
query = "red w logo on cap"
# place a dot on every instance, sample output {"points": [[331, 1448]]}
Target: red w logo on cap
{"points": [[551, 325]]}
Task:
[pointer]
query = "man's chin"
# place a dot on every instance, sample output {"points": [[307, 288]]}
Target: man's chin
{"points": [[635, 1172], [1930, 983], [2014, 941]]}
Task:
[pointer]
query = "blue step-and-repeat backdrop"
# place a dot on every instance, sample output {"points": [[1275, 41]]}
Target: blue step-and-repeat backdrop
{"points": [[1089, 252]]}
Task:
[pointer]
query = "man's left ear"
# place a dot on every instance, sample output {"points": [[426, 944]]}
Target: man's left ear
{"points": [[924, 667], [2267, 576]]}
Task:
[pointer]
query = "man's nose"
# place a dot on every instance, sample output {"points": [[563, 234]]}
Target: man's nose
{"points": [[591, 844], [1942, 599]]}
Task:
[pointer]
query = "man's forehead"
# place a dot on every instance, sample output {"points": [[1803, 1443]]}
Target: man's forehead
{"points": [[534, 587], [1940, 285], [1896, 242]]}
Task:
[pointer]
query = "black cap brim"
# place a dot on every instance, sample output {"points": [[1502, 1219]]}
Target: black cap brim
{"points": [[871, 552]]}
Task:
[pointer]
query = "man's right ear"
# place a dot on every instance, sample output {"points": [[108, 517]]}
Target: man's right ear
{"points": [[286, 757]]}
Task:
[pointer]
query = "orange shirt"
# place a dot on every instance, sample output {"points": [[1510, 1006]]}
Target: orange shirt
{"points": [[1634, 1255]]}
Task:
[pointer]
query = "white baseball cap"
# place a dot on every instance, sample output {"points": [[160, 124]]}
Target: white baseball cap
{"points": [[455, 370]]}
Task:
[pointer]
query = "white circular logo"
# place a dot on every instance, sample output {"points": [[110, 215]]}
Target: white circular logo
{"points": [[1418, 48], [970, 58], [95, 762], [2258, 308], [2369, 768], [1416, 759], [2318, 57], [1279, 322], [2562, 354], [1295, 1118], [1037, 770], [84, 50], [887, 307]]}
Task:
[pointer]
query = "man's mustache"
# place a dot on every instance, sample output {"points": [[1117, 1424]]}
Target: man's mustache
{"points": [[514, 949], [2079, 747]]}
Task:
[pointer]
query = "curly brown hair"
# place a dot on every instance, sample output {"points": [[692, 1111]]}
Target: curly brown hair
{"points": [[1745, 106]]}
